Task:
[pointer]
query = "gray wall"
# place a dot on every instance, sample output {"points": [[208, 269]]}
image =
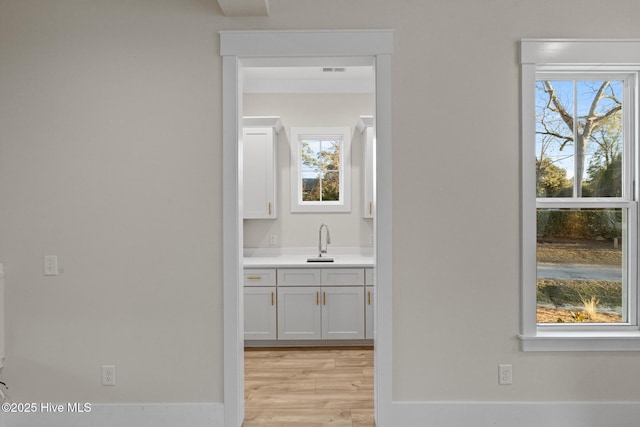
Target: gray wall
{"points": [[110, 158]]}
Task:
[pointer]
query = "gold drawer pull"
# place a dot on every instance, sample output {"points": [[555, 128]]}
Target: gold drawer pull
{"points": [[317, 296], [324, 298], [272, 298], [369, 296], [254, 277]]}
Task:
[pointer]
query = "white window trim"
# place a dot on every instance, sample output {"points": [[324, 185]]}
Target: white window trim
{"points": [[555, 55], [344, 204]]}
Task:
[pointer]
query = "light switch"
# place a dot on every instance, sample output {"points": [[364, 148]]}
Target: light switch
{"points": [[50, 265]]}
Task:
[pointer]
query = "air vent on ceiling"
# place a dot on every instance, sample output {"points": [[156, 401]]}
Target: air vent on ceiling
{"points": [[334, 69]]}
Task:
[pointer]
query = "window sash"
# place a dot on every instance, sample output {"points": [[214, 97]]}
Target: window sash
{"points": [[629, 77], [298, 135], [530, 329], [629, 269], [318, 171], [625, 202]]}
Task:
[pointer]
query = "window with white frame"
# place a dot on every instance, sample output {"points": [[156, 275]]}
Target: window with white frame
{"points": [[579, 202], [321, 169]]}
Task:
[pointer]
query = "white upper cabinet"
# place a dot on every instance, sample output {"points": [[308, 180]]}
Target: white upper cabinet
{"points": [[365, 125], [260, 167]]}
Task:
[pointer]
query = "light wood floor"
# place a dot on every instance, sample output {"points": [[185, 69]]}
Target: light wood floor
{"points": [[309, 387]]}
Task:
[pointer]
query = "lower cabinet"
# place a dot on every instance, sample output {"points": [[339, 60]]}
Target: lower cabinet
{"points": [[260, 313], [306, 312], [307, 304]]}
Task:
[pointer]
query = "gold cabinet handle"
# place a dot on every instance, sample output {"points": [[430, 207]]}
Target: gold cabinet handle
{"points": [[317, 296], [269, 208], [272, 300], [324, 298], [370, 208], [254, 277], [369, 297]]}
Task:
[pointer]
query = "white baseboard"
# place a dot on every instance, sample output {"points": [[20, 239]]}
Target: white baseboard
{"points": [[511, 414], [400, 414], [123, 415]]}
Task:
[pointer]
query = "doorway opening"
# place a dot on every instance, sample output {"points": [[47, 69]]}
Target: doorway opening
{"points": [[328, 110], [242, 50]]}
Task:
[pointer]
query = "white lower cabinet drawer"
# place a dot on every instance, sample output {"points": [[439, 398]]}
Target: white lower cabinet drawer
{"points": [[298, 276], [259, 277], [342, 276], [369, 278]]}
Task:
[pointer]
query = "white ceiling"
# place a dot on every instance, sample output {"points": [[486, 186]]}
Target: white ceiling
{"points": [[309, 79]]}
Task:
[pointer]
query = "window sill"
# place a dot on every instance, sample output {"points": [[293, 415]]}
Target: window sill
{"points": [[581, 341]]}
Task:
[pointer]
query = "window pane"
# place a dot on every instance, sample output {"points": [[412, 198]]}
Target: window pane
{"points": [[554, 138], [309, 153], [329, 156], [599, 109], [310, 186], [580, 268], [579, 140], [331, 186]]}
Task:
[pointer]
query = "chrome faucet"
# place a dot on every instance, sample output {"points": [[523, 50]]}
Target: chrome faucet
{"points": [[328, 241]]}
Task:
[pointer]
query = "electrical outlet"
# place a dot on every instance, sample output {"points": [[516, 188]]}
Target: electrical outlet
{"points": [[505, 374], [108, 375], [50, 265], [273, 239]]}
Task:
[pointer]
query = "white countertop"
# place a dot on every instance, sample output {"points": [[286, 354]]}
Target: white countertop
{"points": [[297, 257]]}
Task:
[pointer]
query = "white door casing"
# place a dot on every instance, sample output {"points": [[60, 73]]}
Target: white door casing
{"points": [[340, 47]]}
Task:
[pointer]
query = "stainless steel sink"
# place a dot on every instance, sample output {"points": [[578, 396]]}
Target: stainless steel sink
{"points": [[320, 259]]}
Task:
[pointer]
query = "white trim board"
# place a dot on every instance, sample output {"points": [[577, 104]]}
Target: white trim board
{"points": [[405, 414], [515, 414], [277, 48], [124, 415], [306, 43], [580, 51]]}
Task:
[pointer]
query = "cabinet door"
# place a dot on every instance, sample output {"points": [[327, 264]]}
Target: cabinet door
{"points": [[259, 172], [260, 313], [343, 312], [369, 295], [299, 313]]}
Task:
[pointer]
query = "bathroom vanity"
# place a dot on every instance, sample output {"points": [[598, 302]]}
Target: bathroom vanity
{"points": [[290, 301]]}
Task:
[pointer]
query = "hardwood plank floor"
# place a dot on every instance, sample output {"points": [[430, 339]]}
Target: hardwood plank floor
{"points": [[309, 387]]}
